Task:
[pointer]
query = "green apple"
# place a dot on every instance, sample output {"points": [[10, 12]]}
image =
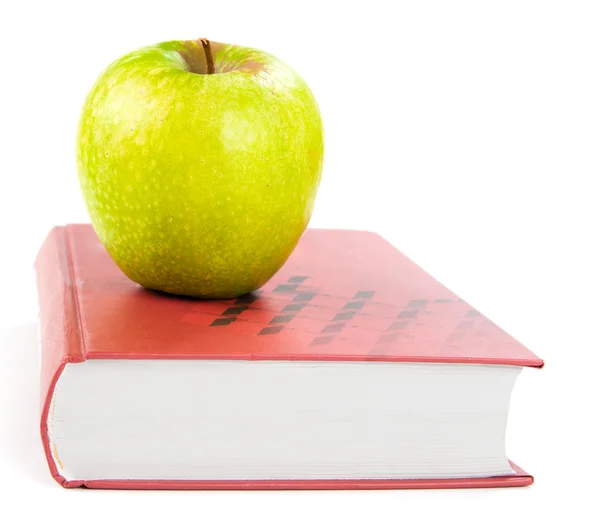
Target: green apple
{"points": [[199, 163]]}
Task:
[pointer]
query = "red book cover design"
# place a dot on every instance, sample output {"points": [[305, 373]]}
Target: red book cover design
{"points": [[342, 295]]}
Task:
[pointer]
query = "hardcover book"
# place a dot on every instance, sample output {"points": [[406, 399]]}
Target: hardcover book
{"points": [[351, 368]]}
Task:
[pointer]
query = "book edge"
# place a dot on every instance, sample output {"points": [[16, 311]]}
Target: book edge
{"points": [[51, 456], [519, 479], [100, 355], [74, 291], [63, 343]]}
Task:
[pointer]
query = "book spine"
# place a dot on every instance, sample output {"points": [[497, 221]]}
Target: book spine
{"points": [[60, 331]]}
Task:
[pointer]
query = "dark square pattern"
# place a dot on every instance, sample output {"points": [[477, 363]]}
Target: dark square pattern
{"points": [[354, 305], [294, 307], [283, 319], [333, 327], [348, 315], [322, 340], [364, 294], [304, 296], [397, 325], [271, 330], [297, 279], [222, 321], [285, 288], [443, 300], [247, 299], [408, 313], [234, 310], [472, 313], [416, 303]]}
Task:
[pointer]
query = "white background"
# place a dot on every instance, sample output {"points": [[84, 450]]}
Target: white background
{"points": [[467, 133]]}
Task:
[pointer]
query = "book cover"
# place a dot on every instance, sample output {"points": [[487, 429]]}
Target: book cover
{"points": [[342, 295]]}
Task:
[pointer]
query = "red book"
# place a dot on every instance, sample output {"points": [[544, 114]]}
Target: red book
{"points": [[351, 368]]}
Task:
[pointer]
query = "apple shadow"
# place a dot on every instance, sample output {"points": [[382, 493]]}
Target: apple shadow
{"points": [[20, 432], [244, 298]]}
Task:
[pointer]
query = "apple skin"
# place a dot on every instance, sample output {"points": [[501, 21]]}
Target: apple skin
{"points": [[200, 184]]}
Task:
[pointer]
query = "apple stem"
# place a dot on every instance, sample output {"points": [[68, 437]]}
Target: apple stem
{"points": [[210, 63]]}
